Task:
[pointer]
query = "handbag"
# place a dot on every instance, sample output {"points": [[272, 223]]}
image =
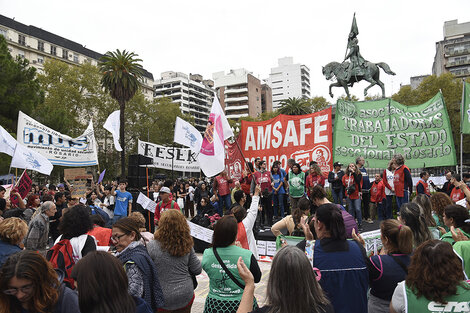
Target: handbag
{"points": [[227, 271]]}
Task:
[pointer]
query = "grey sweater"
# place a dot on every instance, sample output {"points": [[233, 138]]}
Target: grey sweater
{"points": [[38, 233], [174, 275]]}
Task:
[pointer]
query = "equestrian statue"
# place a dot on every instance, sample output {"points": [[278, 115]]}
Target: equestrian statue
{"points": [[348, 73]]}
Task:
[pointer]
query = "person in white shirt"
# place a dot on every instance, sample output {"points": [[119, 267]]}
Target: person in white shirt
{"points": [[108, 202]]}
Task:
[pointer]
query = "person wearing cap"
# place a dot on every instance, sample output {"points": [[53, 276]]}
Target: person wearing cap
{"points": [[165, 204], [335, 179]]}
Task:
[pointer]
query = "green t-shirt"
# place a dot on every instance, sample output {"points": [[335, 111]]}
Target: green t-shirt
{"points": [[462, 248], [221, 287], [296, 184], [447, 237], [456, 303]]}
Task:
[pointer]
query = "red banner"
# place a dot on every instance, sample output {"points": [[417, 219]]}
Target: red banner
{"points": [[234, 164], [304, 138], [23, 187]]}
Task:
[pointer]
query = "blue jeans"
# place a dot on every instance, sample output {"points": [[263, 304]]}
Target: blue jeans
{"points": [[337, 196], [278, 201], [224, 200], [381, 210], [354, 208], [402, 200], [388, 207], [117, 218]]}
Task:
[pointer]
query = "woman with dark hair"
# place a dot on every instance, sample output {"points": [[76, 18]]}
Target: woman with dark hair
{"points": [[315, 177], [181, 194], [225, 285], [278, 190], [141, 270], [74, 226], [412, 216], [28, 283], [424, 202], [245, 182], [175, 260], [292, 222], [342, 263], [402, 181], [102, 286], [352, 182], [390, 267], [295, 181], [455, 216], [439, 201], [435, 281], [291, 273]]}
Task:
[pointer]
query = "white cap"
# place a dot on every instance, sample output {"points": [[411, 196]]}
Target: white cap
{"points": [[165, 190]]}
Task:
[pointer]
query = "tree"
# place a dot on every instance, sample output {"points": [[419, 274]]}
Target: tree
{"points": [[121, 74], [318, 103], [19, 87], [295, 106]]}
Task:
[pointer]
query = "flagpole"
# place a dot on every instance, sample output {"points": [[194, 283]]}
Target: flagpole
{"points": [[243, 156], [461, 121]]}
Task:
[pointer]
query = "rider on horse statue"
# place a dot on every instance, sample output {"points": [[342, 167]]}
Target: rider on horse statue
{"points": [[358, 63]]}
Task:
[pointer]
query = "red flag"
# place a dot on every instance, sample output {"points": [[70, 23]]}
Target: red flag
{"points": [[234, 163], [23, 186]]}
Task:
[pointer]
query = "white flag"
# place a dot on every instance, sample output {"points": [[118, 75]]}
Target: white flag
{"points": [[29, 159], [112, 125], [187, 135], [212, 154], [146, 202], [7, 142]]}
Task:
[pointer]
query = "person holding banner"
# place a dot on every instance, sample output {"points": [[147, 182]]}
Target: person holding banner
{"points": [[352, 182], [295, 180]]}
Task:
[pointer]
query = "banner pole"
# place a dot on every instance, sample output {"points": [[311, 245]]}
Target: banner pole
{"points": [[243, 156], [461, 153], [148, 193], [462, 115]]}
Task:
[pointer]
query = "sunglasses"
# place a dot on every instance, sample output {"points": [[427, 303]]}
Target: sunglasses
{"points": [[13, 291]]}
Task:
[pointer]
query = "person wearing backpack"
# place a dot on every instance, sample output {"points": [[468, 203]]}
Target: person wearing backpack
{"points": [[165, 204], [28, 283]]}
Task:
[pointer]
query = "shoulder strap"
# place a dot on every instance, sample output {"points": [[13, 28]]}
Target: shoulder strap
{"points": [[399, 262], [226, 269]]}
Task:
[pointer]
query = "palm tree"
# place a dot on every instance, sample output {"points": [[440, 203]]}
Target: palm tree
{"points": [[295, 106], [121, 74]]}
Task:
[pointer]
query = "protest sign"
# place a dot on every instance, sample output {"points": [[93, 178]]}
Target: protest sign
{"points": [[304, 138], [178, 159], [146, 202], [23, 187], [377, 130], [59, 149], [100, 179], [200, 232], [74, 173], [79, 189], [373, 243]]}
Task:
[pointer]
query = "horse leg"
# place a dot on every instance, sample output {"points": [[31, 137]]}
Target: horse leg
{"points": [[346, 89], [334, 85], [381, 87]]}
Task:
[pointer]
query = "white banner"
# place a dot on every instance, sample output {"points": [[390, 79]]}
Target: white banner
{"points": [[183, 159], [201, 233], [146, 202], [59, 149]]}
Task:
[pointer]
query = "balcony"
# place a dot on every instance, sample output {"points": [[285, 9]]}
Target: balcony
{"points": [[236, 107], [453, 52], [237, 116], [236, 99], [240, 90], [457, 63]]}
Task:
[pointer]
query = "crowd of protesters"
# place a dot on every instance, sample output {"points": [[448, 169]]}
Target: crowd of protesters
{"points": [[101, 253]]}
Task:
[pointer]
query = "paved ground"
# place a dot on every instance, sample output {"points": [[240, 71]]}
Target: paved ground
{"points": [[260, 291]]}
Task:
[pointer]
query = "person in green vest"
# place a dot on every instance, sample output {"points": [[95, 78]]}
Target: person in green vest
{"points": [[435, 282], [295, 181], [220, 263], [455, 215]]}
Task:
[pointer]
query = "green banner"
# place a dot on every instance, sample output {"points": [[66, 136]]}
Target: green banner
{"points": [[465, 118], [377, 130]]}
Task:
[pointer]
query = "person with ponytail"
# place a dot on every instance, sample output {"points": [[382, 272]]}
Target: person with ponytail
{"points": [[391, 266], [455, 216], [412, 216], [292, 222]]}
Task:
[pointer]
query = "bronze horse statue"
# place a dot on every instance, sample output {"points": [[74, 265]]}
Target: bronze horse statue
{"points": [[369, 72]]}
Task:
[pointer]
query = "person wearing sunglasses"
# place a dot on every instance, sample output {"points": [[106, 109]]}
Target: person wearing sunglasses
{"points": [[140, 269], [28, 283]]}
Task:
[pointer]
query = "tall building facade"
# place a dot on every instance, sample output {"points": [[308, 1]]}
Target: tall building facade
{"points": [[193, 93], [241, 94], [37, 45], [289, 80], [453, 53]]}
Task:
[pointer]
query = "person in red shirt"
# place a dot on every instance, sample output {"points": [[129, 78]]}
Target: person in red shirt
{"points": [[402, 182], [165, 204], [315, 177], [377, 195], [457, 193], [422, 186], [101, 233], [352, 182], [221, 190], [264, 179]]}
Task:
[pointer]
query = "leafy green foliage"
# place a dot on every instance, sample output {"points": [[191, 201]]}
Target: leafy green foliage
{"points": [[295, 106], [19, 88], [318, 103]]}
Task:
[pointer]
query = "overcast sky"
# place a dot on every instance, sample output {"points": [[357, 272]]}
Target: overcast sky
{"points": [[210, 36]]}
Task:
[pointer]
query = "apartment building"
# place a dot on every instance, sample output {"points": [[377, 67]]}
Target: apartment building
{"points": [[453, 53], [192, 92], [289, 80], [37, 45], [241, 94]]}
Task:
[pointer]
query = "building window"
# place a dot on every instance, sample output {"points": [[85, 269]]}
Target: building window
{"points": [[3, 32], [41, 45], [22, 40], [21, 54], [53, 50], [65, 54], [40, 60], [75, 58]]}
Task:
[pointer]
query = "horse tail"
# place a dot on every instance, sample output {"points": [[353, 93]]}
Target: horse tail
{"points": [[386, 68]]}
